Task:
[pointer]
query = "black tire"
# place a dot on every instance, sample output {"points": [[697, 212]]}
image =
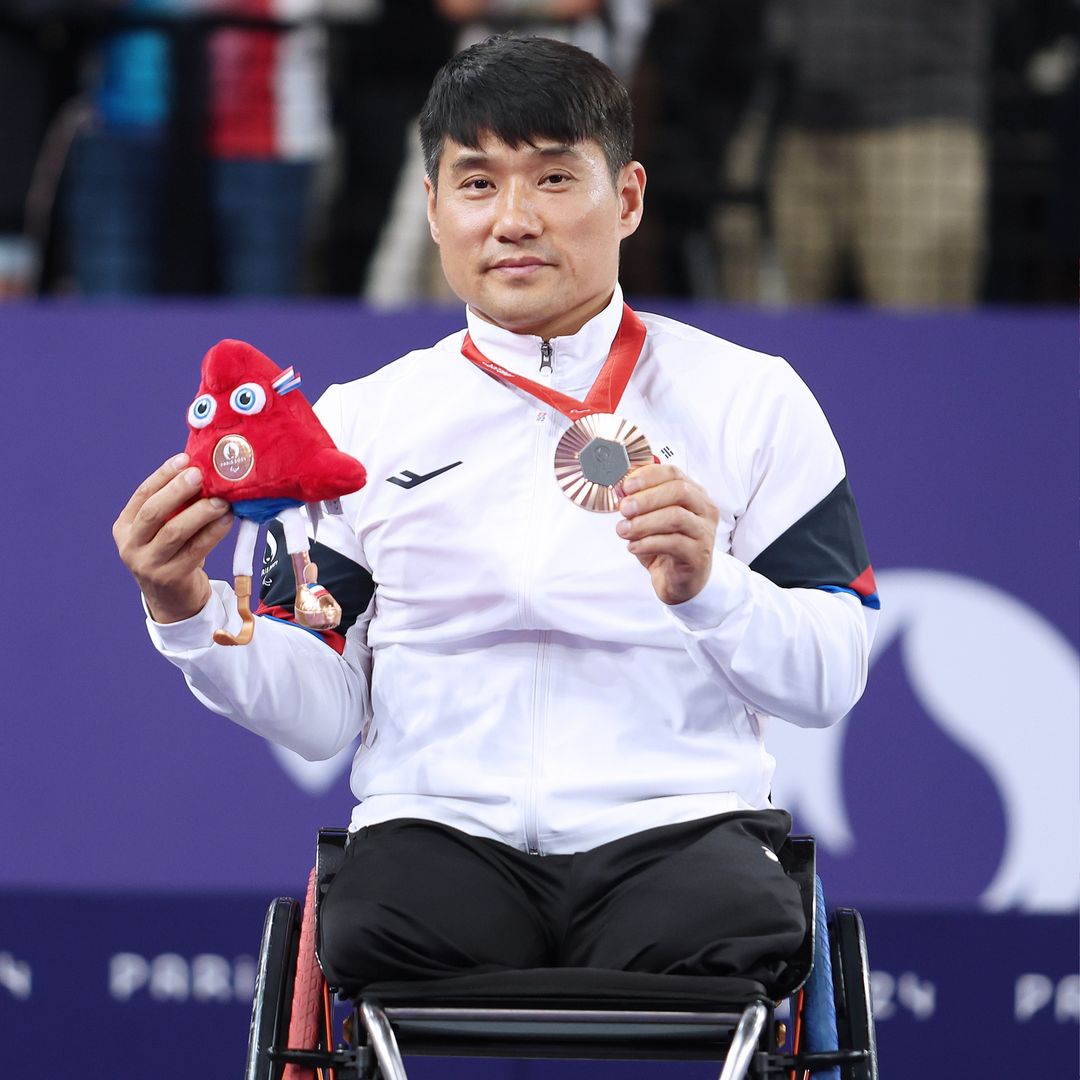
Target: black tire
{"points": [[273, 989], [851, 987]]}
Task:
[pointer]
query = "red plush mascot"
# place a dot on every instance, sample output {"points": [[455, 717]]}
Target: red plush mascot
{"points": [[261, 447]]}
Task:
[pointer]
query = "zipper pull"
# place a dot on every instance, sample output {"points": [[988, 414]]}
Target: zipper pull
{"points": [[545, 356]]}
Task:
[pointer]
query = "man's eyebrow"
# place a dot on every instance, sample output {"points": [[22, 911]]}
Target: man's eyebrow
{"points": [[559, 150], [468, 161], [478, 159]]}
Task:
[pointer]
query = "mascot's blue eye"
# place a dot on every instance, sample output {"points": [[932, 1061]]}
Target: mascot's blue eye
{"points": [[248, 398], [201, 411]]}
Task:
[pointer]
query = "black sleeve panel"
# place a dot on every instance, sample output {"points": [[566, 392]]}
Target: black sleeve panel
{"points": [[350, 584], [825, 548]]}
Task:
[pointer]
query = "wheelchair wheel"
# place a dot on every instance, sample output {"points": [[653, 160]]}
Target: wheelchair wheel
{"points": [[273, 989], [851, 982]]}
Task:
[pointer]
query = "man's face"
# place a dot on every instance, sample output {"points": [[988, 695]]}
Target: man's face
{"points": [[529, 238]]}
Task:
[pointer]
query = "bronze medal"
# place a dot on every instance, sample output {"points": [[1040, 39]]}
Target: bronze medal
{"points": [[593, 457], [233, 457], [598, 449]]}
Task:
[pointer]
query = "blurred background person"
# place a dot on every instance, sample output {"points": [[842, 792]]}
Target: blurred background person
{"points": [[611, 30], [879, 180], [194, 170], [22, 75], [36, 72], [900, 152], [383, 56], [1035, 152], [699, 69]]}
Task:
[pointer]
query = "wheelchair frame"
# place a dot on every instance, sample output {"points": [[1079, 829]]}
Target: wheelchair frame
{"points": [[291, 1024]]}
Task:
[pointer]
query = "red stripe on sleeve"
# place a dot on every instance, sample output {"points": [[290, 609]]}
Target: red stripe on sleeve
{"points": [[864, 584]]}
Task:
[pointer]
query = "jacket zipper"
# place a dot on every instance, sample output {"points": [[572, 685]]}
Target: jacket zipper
{"points": [[531, 809], [536, 747]]}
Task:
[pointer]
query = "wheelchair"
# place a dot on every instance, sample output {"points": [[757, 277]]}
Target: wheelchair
{"points": [[819, 1022]]}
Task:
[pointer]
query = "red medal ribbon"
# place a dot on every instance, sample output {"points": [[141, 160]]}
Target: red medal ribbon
{"points": [[606, 391]]}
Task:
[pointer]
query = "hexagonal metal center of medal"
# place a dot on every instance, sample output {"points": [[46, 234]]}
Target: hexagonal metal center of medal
{"points": [[604, 461]]}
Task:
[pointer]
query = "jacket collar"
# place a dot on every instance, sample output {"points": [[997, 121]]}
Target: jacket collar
{"points": [[576, 358]]}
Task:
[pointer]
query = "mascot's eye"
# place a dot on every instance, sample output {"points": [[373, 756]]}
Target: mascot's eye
{"points": [[201, 411], [248, 399]]}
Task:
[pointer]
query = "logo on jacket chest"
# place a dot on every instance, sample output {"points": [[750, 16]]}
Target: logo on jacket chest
{"points": [[408, 479]]}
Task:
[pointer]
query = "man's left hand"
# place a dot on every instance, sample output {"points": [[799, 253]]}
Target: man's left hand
{"points": [[670, 523]]}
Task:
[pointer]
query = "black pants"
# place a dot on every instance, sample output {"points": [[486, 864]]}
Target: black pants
{"points": [[417, 900]]}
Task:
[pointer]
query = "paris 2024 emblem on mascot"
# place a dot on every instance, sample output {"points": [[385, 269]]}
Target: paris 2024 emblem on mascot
{"points": [[261, 447]]}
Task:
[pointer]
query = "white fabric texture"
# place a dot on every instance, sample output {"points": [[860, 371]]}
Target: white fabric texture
{"points": [[515, 675]]}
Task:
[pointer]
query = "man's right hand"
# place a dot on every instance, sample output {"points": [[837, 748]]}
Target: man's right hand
{"points": [[164, 535]]}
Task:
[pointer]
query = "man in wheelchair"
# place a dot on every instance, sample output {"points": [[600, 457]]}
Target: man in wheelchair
{"points": [[562, 672]]}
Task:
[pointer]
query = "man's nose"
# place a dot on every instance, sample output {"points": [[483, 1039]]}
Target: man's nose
{"points": [[516, 216]]}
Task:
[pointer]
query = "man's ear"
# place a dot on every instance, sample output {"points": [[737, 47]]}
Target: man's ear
{"points": [[432, 196], [631, 189]]}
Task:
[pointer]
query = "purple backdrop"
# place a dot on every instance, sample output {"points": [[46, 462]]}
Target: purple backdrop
{"points": [[960, 439], [952, 786]]}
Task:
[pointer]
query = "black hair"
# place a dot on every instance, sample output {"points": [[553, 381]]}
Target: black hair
{"points": [[520, 88]]}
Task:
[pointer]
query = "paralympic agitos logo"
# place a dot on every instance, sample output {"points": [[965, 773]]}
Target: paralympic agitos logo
{"points": [[1001, 685]]}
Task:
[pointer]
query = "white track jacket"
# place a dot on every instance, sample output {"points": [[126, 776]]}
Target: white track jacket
{"points": [[504, 657]]}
